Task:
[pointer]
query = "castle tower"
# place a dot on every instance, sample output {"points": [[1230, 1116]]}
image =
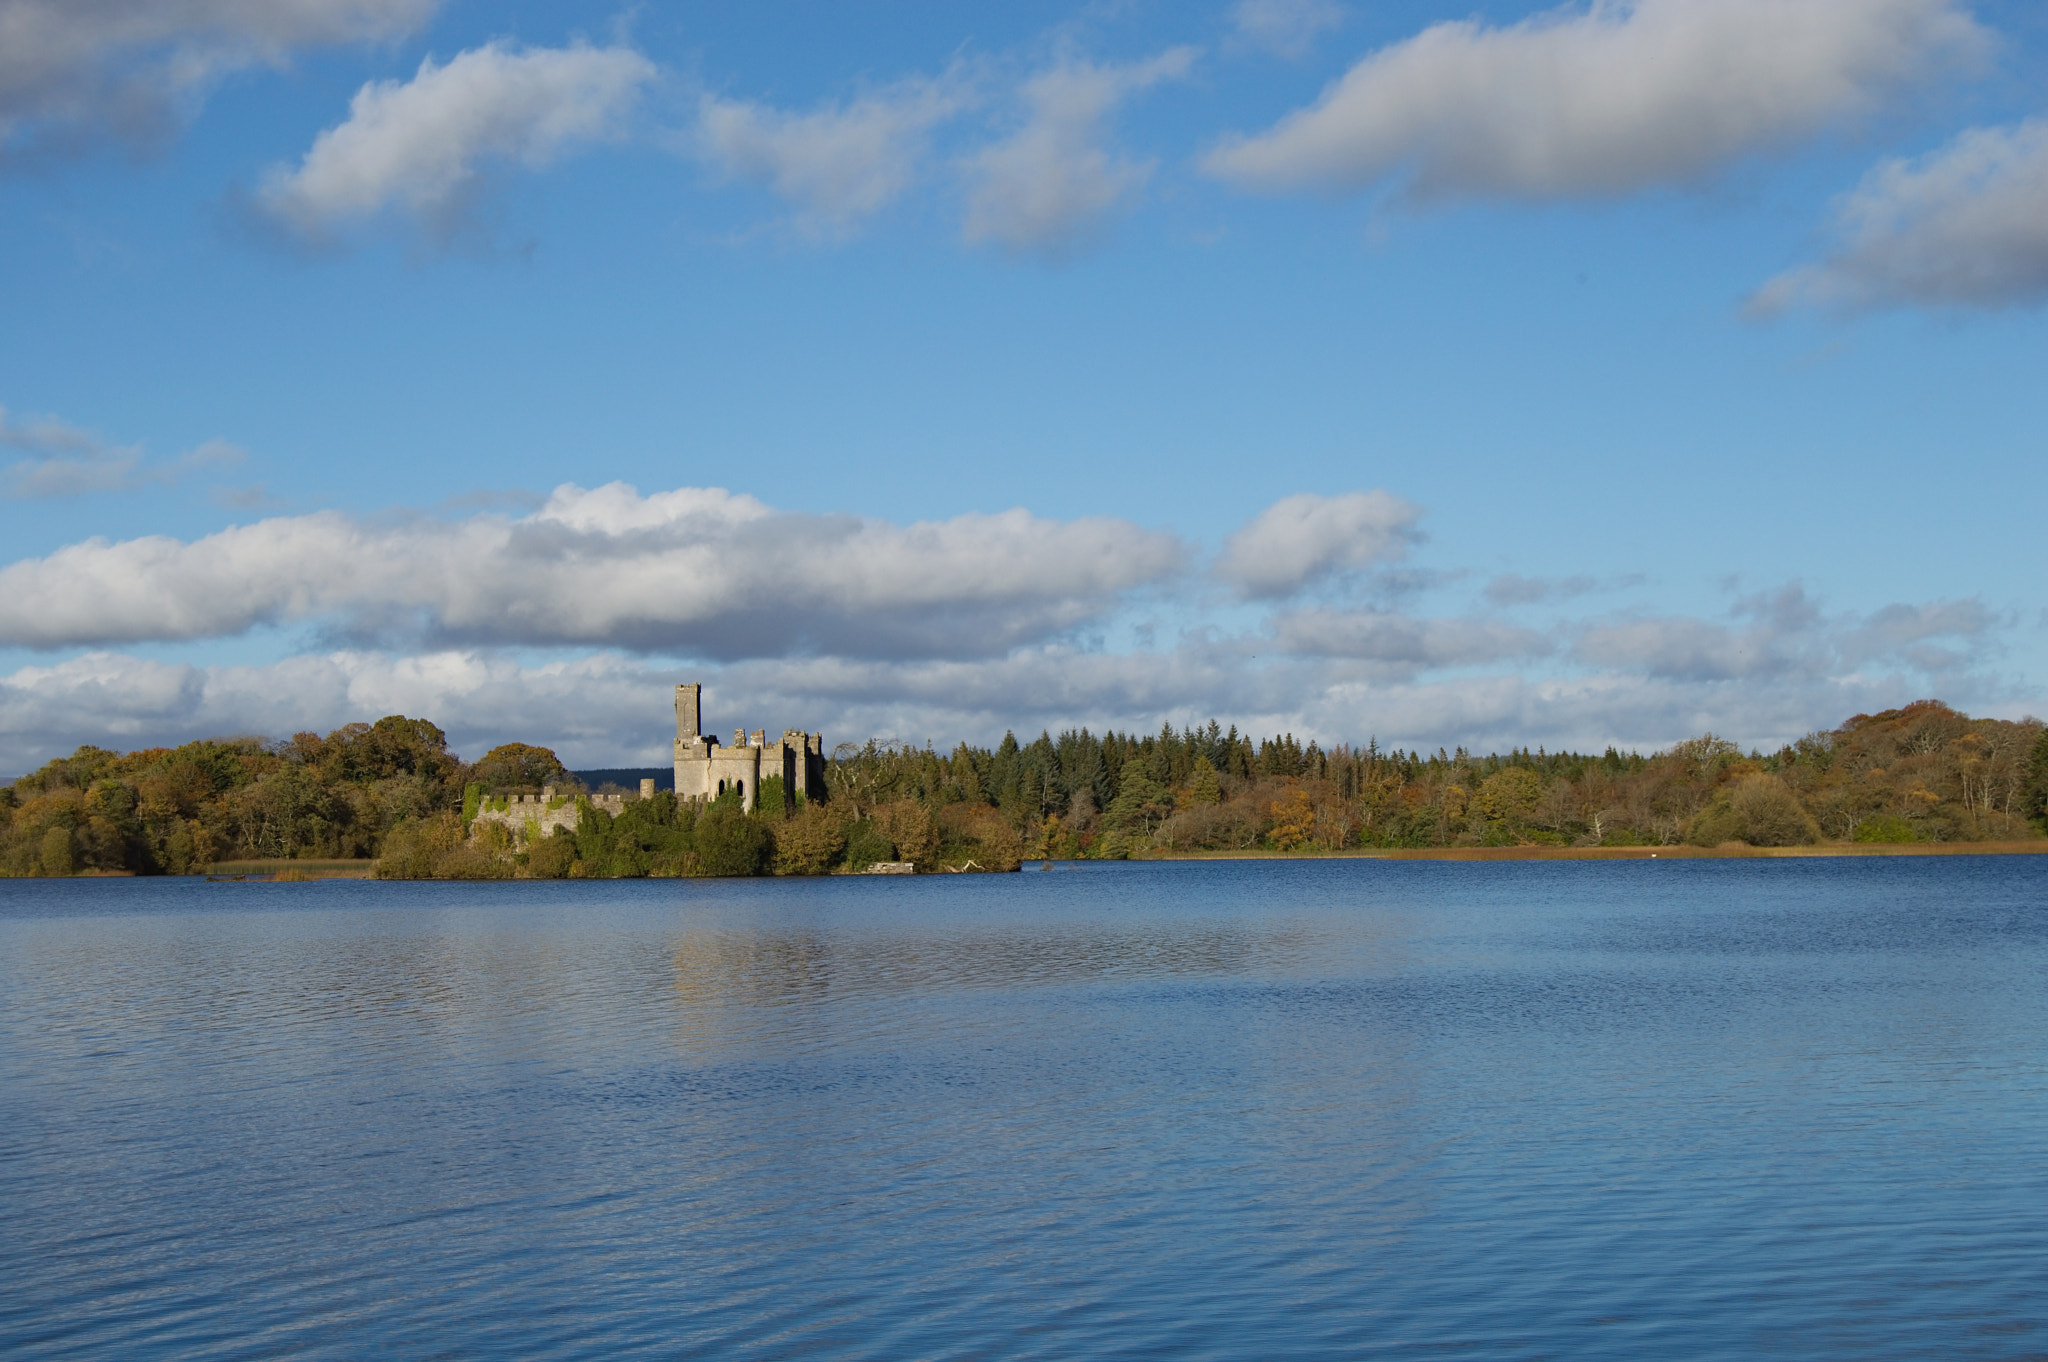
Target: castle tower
{"points": [[704, 770]]}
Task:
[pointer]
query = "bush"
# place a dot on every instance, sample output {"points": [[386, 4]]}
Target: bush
{"points": [[1886, 828], [731, 843], [866, 845], [58, 857], [1758, 809], [771, 801], [471, 863], [551, 857], [1509, 794], [1233, 826], [412, 848], [907, 825], [1771, 814], [978, 833], [810, 843]]}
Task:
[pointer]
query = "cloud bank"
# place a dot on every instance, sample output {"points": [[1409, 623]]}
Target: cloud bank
{"points": [[1604, 101], [612, 709], [1965, 226], [698, 571], [568, 625], [423, 145]]}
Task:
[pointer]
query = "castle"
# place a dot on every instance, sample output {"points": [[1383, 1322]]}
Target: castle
{"points": [[704, 770]]}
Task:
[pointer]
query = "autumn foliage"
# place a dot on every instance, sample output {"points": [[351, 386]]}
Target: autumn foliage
{"points": [[392, 791]]}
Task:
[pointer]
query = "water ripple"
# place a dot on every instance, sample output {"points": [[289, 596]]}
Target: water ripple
{"points": [[1707, 1109]]}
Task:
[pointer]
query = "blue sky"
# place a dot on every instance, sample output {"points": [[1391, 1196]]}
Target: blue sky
{"points": [[1440, 374]]}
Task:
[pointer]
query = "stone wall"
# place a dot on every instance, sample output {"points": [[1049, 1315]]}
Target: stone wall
{"points": [[540, 815]]}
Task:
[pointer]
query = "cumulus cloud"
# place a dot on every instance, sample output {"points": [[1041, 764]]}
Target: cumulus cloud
{"points": [[423, 145], [837, 165], [695, 571], [1301, 540], [1784, 635], [55, 459], [1602, 101], [75, 71], [1288, 27], [567, 624], [1051, 185], [1966, 226]]}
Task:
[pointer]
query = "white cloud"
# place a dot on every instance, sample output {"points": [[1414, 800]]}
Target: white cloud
{"points": [[1601, 101], [121, 701], [1052, 185], [74, 71], [1301, 540], [1966, 226], [57, 459], [837, 166], [1784, 636], [609, 709], [943, 630], [1404, 645], [1288, 27], [696, 571], [424, 144]]}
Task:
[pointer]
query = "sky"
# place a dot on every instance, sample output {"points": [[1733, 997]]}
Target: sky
{"points": [[1483, 374]]}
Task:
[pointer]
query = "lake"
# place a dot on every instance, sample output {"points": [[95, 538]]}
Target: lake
{"points": [[1785, 1108]]}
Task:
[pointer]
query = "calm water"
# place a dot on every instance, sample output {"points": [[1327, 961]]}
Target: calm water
{"points": [[1705, 1109]]}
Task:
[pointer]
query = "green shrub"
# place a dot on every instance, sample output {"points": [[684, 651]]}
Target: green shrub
{"points": [[1886, 828], [411, 848], [731, 843], [865, 845], [551, 857], [59, 857]]}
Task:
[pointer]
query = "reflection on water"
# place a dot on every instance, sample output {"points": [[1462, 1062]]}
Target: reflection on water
{"points": [[1706, 1108]]}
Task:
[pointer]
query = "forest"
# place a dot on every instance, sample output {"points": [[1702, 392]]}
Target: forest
{"points": [[392, 793]]}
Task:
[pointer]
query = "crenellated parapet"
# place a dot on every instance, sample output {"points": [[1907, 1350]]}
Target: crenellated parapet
{"points": [[533, 816]]}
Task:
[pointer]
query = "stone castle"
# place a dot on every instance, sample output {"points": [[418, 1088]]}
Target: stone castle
{"points": [[704, 770]]}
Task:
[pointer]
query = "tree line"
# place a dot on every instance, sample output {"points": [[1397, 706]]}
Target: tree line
{"points": [[391, 791], [1922, 773]]}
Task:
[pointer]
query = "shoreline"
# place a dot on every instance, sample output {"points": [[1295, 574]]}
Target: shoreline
{"points": [[2032, 847], [310, 870]]}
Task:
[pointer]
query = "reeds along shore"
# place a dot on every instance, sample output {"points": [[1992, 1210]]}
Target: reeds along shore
{"points": [[1925, 776]]}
